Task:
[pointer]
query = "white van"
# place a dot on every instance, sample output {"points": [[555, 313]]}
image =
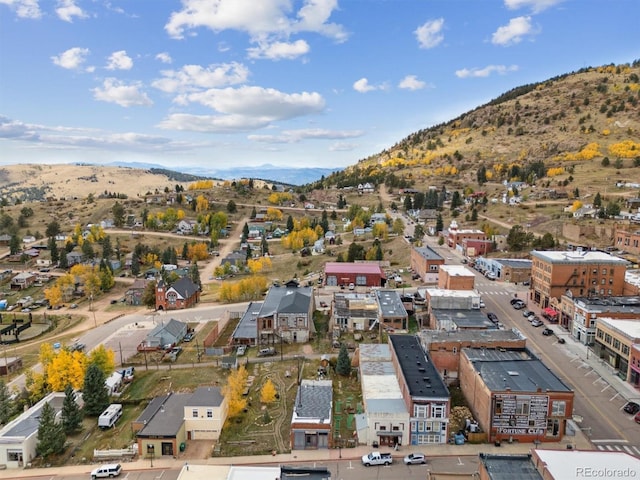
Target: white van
{"points": [[106, 471]]}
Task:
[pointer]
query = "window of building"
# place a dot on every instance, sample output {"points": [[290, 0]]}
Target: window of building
{"points": [[558, 408], [625, 349], [498, 408], [172, 298], [607, 338], [522, 407], [616, 344], [209, 413], [455, 350], [194, 413], [553, 427], [14, 455], [603, 281], [600, 334], [604, 271], [361, 280], [437, 411], [420, 411]]}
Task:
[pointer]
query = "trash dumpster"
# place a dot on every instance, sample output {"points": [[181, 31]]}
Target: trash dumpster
{"points": [[183, 446]]}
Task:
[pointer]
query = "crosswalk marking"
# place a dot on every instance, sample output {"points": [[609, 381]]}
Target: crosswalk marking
{"points": [[630, 449]]}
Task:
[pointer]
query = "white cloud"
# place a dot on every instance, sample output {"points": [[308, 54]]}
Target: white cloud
{"points": [[244, 108], [429, 35], [71, 59], [486, 71], [279, 50], [342, 147], [259, 19], [67, 9], [295, 136], [536, 6], [164, 57], [195, 77], [24, 8], [363, 86], [120, 61], [115, 91], [411, 82], [513, 32]]}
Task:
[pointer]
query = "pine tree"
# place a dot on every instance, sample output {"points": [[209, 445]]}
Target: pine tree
{"points": [[439, 223], [343, 365], [5, 403], [94, 392], [194, 274], [290, 224], [51, 437], [71, 413]]}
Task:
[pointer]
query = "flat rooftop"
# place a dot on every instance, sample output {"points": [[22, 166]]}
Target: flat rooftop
{"points": [[580, 257], [428, 253], [573, 464], [443, 292], [516, 370], [628, 328], [457, 271], [420, 374], [514, 262], [462, 318], [509, 467], [390, 304], [438, 336]]}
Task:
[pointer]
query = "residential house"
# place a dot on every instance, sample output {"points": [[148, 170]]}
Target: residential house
{"points": [[10, 365], [425, 394], [133, 295], [205, 413], [167, 333], [514, 396], [312, 416], [583, 273], [182, 294], [365, 274], [74, 258], [454, 236], [365, 188], [286, 315], [160, 428], [5, 239], [23, 280]]}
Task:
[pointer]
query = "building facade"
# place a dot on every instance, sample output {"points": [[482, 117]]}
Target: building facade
{"points": [[426, 263], [312, 416], [583, 273], [456, 277], [361, 274], [613, 343]]}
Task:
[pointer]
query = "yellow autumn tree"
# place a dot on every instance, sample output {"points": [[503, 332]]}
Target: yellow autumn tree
{"points": [[232, 391], [380, 230], [577, 204], [103, 357], [251, 288], [258, 265], [67, 368], [268, 392], [274, 214], [89, 277], [197, 251], [201, 185], [53, 295], [202, 204]]}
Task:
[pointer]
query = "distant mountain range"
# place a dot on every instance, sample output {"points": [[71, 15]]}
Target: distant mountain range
{"points": [[286, 175]]}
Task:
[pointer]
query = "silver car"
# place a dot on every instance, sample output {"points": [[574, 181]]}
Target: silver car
{"points": [[415, 459]]}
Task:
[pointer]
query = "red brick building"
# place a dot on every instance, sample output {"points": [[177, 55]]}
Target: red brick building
{"points": [[180, 295], [456, 277], [361, 274], [456, 236], [514, 396]]}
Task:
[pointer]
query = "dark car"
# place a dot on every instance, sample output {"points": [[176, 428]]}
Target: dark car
{"points": [[547, 331], [188, 337], [631, 408], [493, 317]]}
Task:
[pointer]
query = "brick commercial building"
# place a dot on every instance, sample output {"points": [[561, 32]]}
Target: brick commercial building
{"points": [[456, 277], [583, 273], [426, 263], [514, 396], [614, 341], [361, 274]]}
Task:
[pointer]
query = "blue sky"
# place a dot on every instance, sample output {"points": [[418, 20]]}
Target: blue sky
{"points": [[296, 83]]}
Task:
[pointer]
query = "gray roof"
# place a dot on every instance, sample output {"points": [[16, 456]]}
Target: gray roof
{"points": [[514, 263], [314, 399], [386, 405], [293, 299], [308, 473], [437, 336], [206, 397], [185, 287], [344, 308], [247, 327], [390, 304], [374, 352], [517, 370], [630, 304], [464, 318], [164, 416], [428, 253], [377, 368], [172, 329], [510, 467], [29, 425], [420, 374]]}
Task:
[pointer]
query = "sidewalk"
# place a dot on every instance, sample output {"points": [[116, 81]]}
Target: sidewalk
{"points": [[579, 442]]}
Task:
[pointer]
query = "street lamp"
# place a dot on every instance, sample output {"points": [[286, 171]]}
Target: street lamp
{"points": [[95, 323]]}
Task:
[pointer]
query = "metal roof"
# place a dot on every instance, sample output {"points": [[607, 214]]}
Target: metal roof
{"points": [[314, 400], [509, 467], [247, 327]]}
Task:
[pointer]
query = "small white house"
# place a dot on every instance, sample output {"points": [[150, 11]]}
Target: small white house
{"points": [[114, 383]]}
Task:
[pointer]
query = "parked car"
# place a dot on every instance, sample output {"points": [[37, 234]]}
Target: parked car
{"points": [[631, 407], [533, 317], [188, 337], [493, 317], [547, 331], [519, 305], [482, 305], [537, 322], [242, 349], [267, 352], [415, 459], [526, 313]]}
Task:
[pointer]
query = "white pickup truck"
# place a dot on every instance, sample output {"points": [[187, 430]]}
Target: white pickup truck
{"points": [[377, 458]]}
